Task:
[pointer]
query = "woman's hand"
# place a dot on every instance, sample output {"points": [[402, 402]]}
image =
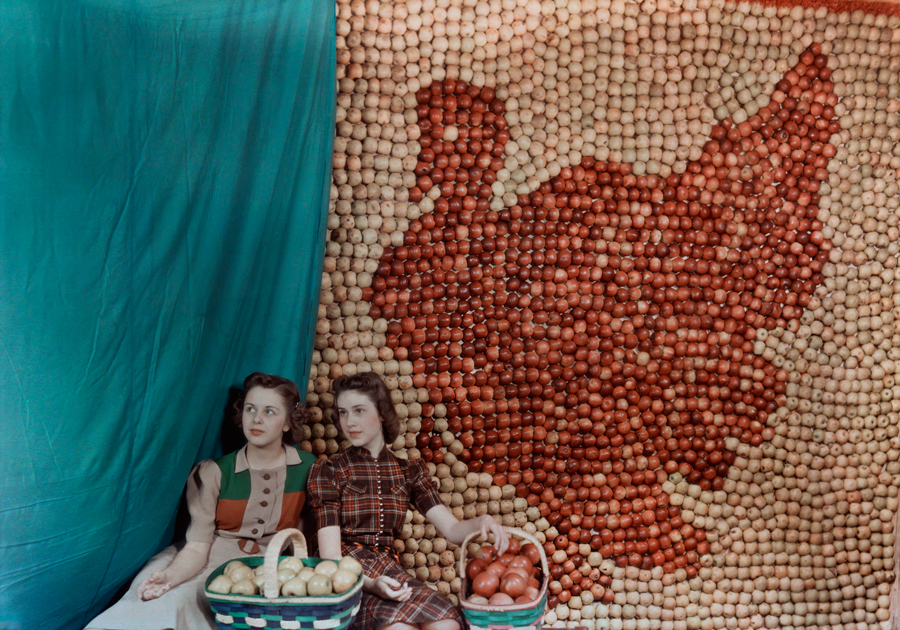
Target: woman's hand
{"points": [[488, 525], [388, 588], [382, 586], [156, 585], [186, 564], [457, 531]]}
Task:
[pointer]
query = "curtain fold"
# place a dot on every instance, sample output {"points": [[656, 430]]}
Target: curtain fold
{"points": [[164, 180]]}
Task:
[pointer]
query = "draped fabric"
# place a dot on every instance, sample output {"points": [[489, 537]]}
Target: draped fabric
{"points": [[164, 178]]}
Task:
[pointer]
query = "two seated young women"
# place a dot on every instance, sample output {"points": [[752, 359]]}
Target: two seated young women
{"points": [[359, 499]]}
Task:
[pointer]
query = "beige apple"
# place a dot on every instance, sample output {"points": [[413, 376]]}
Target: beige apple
{"points": [[318, 585], [231, 566], [343, 580], [294, 588], [294, 564], [244, 587], [241, 573], [326, 567], [221, 584], [349, 563]]}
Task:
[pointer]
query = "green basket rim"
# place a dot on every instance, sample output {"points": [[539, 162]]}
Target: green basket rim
{"points": [[521, 617]]}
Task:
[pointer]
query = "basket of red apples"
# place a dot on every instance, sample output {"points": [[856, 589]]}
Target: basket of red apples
{"points": [[508, 590]]}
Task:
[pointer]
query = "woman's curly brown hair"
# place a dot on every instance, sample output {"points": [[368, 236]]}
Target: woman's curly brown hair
{"points": [[377, 391], [297, 413]]}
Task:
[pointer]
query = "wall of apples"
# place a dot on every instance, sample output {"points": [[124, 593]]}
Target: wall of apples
{"points": [[630, 270]]}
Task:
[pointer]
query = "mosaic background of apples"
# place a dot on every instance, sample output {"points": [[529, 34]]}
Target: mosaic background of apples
{"points": [[630, 271]]}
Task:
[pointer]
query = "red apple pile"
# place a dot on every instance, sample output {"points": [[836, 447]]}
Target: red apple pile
{"points": [[514, 577]]}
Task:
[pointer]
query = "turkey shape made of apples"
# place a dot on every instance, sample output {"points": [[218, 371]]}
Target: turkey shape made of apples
{"points": [[609, 329]]}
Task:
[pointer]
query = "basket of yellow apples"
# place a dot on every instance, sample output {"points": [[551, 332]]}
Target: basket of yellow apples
{"points": [[275, 591]]}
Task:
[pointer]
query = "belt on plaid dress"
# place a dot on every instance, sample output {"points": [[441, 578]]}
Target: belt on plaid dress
{"points": [[389, 550]]}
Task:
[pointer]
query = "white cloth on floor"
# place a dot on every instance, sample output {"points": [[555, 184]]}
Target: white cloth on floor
{"points": [[185, 607]]}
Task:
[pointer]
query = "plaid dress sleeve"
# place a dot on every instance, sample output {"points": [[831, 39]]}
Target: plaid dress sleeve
{"points": [[323, 492], [423, 491]]}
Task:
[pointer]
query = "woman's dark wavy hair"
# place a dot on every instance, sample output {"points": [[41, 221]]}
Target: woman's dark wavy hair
{"points": [[374, 387], [297, 414]]}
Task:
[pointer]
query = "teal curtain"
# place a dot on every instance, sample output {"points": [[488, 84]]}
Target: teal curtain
{"points": [[164, 179]]}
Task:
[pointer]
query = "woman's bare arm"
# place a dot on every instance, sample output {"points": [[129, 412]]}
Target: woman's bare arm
{"points": [[185, 565]]}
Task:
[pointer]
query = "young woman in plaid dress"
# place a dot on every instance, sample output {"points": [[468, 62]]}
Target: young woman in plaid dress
{"points": [[360, 498]]}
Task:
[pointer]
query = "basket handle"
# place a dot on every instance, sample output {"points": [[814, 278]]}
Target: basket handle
{"points": [[521, 533], [273, 552]]}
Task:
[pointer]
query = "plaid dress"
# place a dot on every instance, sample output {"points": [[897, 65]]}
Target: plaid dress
{"points": [[368, 499]]}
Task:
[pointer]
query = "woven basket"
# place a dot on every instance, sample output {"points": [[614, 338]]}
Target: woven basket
{"points": [[331, 612], [528, 616]]}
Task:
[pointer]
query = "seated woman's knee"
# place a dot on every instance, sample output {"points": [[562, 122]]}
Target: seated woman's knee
{"points": [[442, 624]]}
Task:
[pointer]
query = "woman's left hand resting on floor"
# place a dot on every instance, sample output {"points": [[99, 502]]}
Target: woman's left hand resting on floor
{"points": [[189, 561]]}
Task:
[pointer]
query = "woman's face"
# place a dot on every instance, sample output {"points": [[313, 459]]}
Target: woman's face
{"points": [[264, 418], [360, 421]]}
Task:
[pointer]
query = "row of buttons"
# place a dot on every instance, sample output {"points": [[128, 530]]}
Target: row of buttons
{"points": [[267, 476], [380, 503]]}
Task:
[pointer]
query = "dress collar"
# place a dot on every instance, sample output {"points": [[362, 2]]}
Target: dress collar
{"points": [[364, 452], [291, 458]]}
